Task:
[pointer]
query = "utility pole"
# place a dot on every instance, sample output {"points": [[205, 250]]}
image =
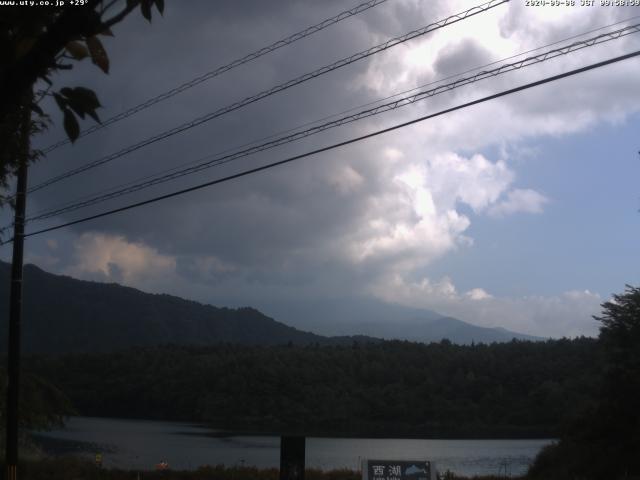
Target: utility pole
{"points": [[15, 306]]}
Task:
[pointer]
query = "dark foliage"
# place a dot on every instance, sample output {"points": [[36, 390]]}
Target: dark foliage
{"points": [[604, 442], [391, 388], [36, 43], [42, 404], [73, 468]]}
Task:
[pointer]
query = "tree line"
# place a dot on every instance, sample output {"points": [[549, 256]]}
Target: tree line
{"points": [[390, 388]]}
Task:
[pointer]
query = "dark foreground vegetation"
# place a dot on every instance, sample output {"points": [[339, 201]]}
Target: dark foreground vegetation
{"points": [[70, 468], [604, 441], [518, 389], [585, 391]]}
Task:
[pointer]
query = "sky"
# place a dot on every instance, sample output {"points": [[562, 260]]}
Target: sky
{"points": [[521, 212]]}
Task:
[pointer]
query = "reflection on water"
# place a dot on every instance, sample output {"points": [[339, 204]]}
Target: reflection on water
{"points": [[140, 444]]}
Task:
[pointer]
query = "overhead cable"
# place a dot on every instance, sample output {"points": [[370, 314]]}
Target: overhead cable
{"points": [[276, 89], [335, 145], [401, 102], [223, 69]]}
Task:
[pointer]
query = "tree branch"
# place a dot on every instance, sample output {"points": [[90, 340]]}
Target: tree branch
{"points": [[108, 6], [72, 24], [120, 16]]}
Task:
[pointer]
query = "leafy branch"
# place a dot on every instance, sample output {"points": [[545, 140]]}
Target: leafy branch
{"points": [[36, 43]]}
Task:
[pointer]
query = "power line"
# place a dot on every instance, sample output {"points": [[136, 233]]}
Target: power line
{"points": [[278, 88], [334, 115], [223, 69], [399, 103], [337, 145], [43, 213]]}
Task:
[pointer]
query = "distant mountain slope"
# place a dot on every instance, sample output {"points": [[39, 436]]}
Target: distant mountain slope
{"points": [[375, 318], [463, 332], [66, 315], [62, 314]]}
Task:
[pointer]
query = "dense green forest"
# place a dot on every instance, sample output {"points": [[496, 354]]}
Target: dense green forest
{"points": [[390, 388]]}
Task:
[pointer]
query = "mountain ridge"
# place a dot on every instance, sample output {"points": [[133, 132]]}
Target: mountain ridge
{"points": [[384, 320], [68, 315]]}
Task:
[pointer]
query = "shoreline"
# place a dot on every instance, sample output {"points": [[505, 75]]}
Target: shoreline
{"points": [[213, 431]]}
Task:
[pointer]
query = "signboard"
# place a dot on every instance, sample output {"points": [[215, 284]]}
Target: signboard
{"points": [[397, 470]]}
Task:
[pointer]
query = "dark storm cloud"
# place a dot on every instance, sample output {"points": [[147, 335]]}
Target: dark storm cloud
{"points": [[301, 230], [150, 59]]}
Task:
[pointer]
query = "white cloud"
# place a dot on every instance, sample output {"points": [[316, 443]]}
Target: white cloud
{"points": [[395, 289], [478, 294], [561, 108], [345, 179], [568, 314], [519, 200], [410, 212], [476, 181], [113, 258]]}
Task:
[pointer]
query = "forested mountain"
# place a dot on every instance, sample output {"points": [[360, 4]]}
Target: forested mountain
{"points": [[65, 315], [390, 388]]}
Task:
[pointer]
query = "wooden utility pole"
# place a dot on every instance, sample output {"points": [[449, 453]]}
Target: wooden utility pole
{"points": [[15, 305]]}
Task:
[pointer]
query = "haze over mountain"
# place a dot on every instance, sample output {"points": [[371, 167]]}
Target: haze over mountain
{"points": [[367, 316], [63, 314]]}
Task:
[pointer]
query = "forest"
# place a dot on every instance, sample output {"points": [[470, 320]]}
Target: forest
{"points": [[515, 389]]}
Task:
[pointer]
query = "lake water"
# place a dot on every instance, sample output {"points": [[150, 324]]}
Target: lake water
{"points": [[140, 444]]}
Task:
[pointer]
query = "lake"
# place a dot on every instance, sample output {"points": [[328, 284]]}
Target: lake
{"points": [[140, 444]]}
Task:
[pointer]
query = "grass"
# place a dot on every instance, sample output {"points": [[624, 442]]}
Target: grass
{"points": [[73, 468]]}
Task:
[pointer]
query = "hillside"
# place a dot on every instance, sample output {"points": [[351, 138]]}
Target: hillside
{"points": [[66, 315]]}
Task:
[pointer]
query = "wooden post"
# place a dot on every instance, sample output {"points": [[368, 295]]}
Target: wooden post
{"points": [[292, 451], [15, 304]]}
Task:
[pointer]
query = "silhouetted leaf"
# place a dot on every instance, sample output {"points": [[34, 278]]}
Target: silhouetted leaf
{"points": [[77, 50], [60, 100], [98, 53], [83, 101], [145, 8], [71, 125], [107, 32], [160, 6], [78, 111], [94, 115], [87, 96]]}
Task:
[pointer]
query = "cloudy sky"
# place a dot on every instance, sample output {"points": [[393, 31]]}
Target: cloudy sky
{"points": [[521, 212]]}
